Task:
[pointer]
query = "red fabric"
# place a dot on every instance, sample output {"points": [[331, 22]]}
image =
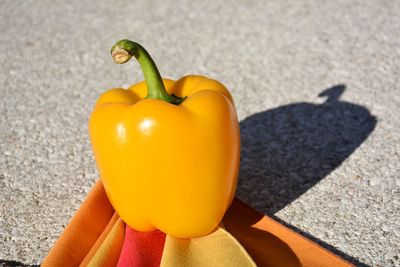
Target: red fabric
{"points": [[141, 249]]}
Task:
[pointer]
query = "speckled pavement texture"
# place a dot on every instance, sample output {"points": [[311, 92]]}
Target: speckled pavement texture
{"points": [[316, 85]]}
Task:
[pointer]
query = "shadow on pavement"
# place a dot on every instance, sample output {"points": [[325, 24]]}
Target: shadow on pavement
{"points": [[13, 263], [287, 150]]}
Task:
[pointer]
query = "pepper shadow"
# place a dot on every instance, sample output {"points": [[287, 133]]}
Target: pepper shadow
{"points": [[7, 263], [264, 247], [287, 150]]}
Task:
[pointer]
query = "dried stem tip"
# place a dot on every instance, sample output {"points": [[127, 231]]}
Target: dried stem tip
{"points": [[120, 55]]}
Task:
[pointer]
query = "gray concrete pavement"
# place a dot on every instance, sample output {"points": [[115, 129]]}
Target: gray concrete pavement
{"points": [[325, 165]]}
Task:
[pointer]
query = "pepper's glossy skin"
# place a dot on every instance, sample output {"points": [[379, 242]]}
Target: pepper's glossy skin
{"points": [[164, 166]]}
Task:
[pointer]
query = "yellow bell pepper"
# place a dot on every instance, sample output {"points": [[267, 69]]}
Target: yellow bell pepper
{"points": [[169, 160]]}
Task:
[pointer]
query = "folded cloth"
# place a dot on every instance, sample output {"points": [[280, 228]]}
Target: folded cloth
{"points": [[83, 230], [141, 249], [268, 242], [216, 249], [106, 251]]}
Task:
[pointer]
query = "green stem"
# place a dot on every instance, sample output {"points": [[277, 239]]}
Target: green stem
{"points": [[124, 50]]}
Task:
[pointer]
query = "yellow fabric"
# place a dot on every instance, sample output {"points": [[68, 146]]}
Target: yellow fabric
{"points": [[268, 242], [216, 249], [110, 249], [100, 240]]}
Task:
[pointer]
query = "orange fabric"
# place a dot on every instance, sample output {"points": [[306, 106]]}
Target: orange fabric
{"points": [[83, 230], [270, 243], [100, 240], [106, 250], [108, 253]]}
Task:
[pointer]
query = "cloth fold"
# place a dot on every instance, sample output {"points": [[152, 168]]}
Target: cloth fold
{"points": [[94, 231], [84, 229], [141, 249], [271, 244], [106, 251], [216, 249]]}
